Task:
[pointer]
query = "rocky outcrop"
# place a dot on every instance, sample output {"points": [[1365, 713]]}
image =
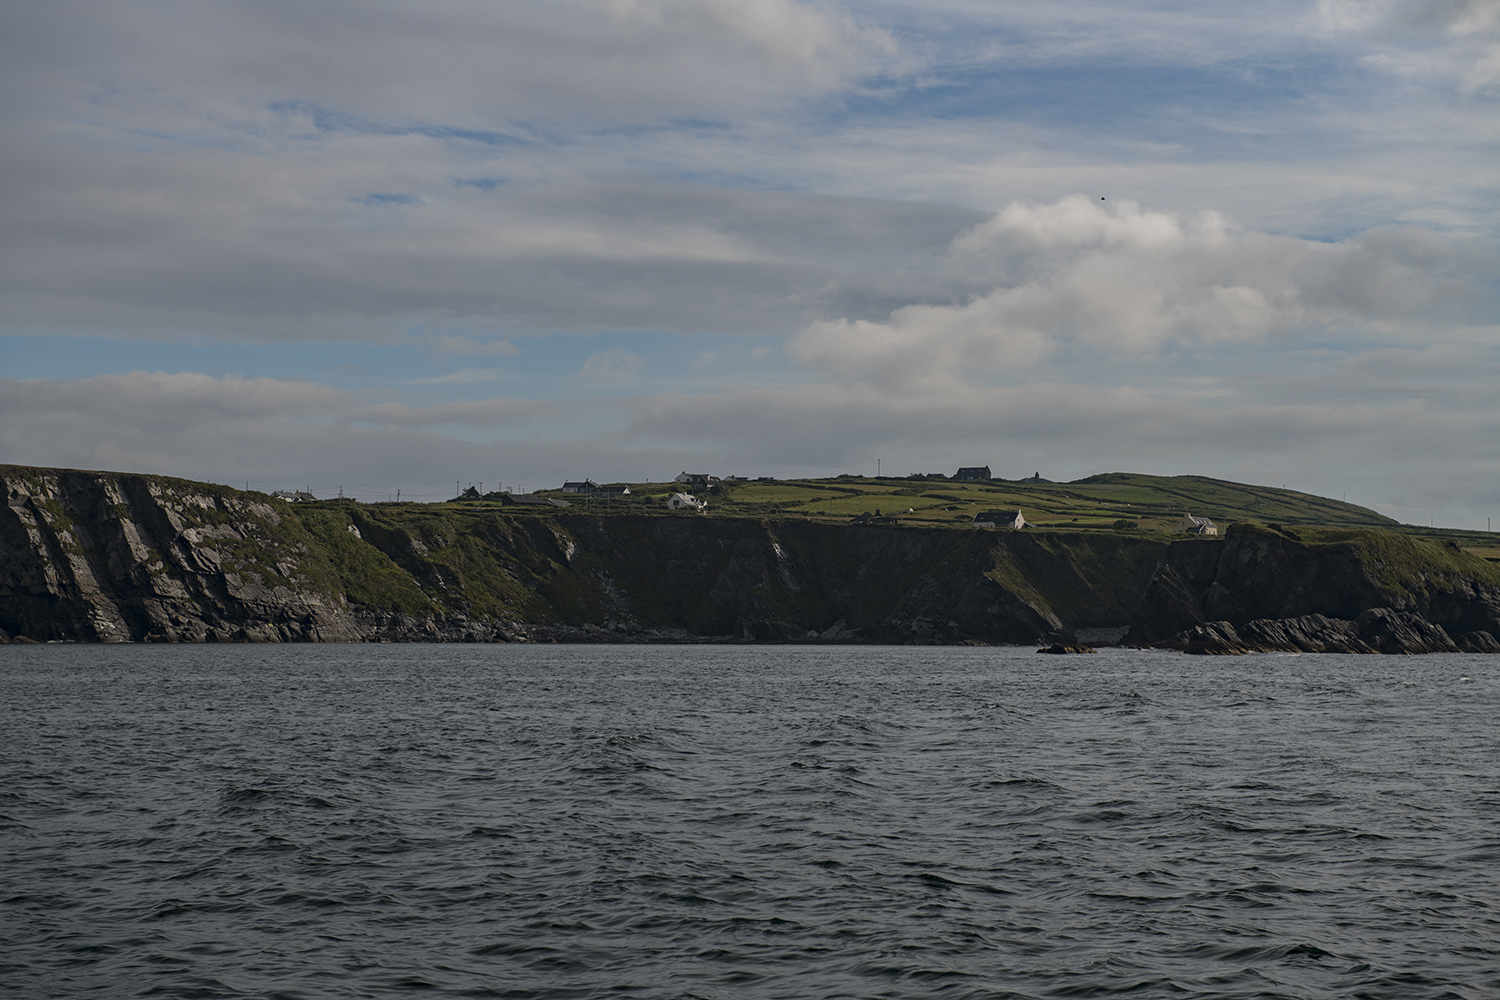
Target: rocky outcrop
{"points": [[104, 558], [1265, 587], [1379, 630]]}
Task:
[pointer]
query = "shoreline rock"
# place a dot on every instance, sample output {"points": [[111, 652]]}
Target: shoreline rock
{"points": [[1378, 630]]}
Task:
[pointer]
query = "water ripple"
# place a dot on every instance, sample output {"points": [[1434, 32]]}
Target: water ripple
{"points": [[529, 822]]}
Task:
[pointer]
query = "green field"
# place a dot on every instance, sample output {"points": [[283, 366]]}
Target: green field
{"points": [[1151, 504], [1098, 502]]}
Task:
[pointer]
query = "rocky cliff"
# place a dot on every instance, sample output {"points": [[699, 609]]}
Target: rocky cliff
{"points": [[1265, 587], [113, 557]]}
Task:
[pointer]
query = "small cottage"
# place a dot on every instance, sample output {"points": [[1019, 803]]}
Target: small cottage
{"points": [[685, 501], [585, 487], [1000, 519], [1192, 524], [973, 472]]}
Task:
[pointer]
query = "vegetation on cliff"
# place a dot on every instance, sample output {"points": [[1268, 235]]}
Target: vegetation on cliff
{"points": [[116, 557], [1152, 503]]}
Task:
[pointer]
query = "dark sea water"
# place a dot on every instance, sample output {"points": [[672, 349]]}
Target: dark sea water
{"points": [[715, 822]]}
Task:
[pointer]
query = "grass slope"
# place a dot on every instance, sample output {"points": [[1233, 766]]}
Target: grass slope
{"points": [[1153, 502]]}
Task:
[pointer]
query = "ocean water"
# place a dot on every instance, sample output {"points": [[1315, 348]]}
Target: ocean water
{"points": [[718, 822]]}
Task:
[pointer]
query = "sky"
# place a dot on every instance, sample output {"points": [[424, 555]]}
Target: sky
{"points": [[377, 246]]}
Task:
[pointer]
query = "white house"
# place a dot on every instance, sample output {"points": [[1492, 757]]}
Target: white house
{"points": [[1192, 524], [684, 501], [1000, 519]]}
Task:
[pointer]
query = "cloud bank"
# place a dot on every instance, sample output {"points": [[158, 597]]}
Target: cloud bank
{"points": [[376, 243]]}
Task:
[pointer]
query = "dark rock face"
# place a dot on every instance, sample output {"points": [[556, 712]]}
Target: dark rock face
{"points": [[1263, 588], [1308, 634], [94, 557], [105, 557], [1402, 632], [117, 558], [1379, 630], [1476, 642], [1064, 648]]}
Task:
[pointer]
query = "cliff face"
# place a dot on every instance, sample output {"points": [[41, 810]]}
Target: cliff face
{"points": [[110, 557], [115, 558], [1258, 573], [99, 557]]}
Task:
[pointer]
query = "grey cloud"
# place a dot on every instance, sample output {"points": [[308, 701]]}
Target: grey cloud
{"points": [[1068, 431], [211, 241], [462, 63], [279, 434], [1457, 378], [1456, 40], [485, 413]]}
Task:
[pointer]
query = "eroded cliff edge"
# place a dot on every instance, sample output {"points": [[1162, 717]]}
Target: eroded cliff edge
{"points": [[1267, 587], [116, 557]]}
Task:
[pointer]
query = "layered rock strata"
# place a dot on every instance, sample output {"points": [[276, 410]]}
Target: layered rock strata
{"points": [[105, 557], [1379, 630], [1266, 588]]}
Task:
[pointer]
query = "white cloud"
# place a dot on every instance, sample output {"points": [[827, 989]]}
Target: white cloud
{"points": [[1107, 276]]}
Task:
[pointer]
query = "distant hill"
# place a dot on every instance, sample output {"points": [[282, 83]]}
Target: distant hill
{"points": [[1154, 502]]}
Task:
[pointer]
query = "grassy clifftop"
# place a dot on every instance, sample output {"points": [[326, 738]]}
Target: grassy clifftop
{"points": [[111, 556], [1153, 502]]}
